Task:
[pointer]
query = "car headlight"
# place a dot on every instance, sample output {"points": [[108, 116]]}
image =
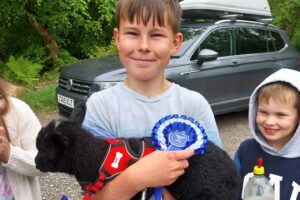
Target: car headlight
{"points": [[97, 86]]}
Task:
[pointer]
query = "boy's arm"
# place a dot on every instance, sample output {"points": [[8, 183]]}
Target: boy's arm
{"points": [[196, 106], [159, 168], [208, 121], [204, 115]]}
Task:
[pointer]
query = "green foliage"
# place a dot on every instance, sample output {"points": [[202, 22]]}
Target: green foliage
{"points": [[286, 15], [36, 52], [285, 12], [105, 51], [42, 101], [2, 65], [20, 40], [64, 59], [296, 37], [21, 70], [77, 26]]}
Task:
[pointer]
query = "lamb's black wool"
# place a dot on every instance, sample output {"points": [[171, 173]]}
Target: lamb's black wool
{"points": [[63, 146]]}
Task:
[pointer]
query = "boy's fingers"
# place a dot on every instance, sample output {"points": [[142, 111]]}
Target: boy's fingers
{"points": [[181, 155]]}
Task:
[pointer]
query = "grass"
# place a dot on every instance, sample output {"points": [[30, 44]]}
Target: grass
{"points": [[43, 100]]}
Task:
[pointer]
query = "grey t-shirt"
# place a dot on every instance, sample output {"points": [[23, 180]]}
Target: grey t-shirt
{"points": [[122, 112]]}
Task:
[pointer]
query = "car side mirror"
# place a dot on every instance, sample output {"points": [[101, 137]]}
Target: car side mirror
{"points": [[207, 55]]}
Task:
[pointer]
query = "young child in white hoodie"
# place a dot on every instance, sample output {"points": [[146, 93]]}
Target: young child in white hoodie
{"points": [[274, 113]]}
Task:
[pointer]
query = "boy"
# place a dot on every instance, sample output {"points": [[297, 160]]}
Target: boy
{"points": [[147, 36], [274, 112]]}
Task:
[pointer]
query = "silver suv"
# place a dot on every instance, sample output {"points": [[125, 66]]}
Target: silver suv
{"points": [[223, 60]]}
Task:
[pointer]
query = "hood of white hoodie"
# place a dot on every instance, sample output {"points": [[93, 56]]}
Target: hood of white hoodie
{"points": [[292, 148]]}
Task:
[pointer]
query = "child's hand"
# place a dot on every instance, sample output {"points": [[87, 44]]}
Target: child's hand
{"points": [[159, 168], [4, 146]]}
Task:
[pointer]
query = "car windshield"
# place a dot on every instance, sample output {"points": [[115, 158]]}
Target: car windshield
{"points": [[190, 34]]}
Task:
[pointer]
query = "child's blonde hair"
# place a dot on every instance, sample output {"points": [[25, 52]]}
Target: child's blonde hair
{"points": [[282, 92], [143, 10]]}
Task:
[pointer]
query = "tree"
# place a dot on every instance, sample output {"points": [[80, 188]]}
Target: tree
{"points": [[286, 15], [38, 29]]}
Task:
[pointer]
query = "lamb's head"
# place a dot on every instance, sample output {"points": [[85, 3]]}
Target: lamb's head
{"points": [[55, 145]]}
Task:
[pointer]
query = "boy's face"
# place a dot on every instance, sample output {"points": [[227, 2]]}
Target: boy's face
{"points": [[146, 50], [277, 122]]}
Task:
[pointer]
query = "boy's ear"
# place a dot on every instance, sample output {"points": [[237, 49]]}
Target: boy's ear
{"points": [[116, 36], [178, 39]]}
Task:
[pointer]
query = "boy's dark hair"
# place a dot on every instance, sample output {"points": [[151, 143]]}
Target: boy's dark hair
{"points": [[282, 92], [143, 10]]}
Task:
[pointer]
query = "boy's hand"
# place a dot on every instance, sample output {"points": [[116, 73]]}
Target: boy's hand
{"points": [[159, 168], [4, 146]]}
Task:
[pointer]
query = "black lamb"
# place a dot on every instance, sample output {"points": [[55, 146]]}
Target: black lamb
{"points": [[63, 146]]}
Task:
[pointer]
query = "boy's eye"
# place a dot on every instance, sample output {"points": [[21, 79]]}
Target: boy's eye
{"points": [[155, 35], [281, 114], [131, 33], [262, 112]]}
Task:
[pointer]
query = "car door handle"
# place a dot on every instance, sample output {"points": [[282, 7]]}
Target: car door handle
{"points": [[188, 72]]}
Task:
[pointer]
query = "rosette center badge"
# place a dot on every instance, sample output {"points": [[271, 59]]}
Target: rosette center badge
{"points": [[178, 132], [178, 138]]}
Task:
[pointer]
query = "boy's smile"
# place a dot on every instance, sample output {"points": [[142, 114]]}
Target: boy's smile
{"points": [[145, 50], [277, 122], [270, 131], [143, 62]]}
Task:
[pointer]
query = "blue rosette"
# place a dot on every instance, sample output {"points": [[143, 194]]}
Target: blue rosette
{"points": [[178, 132]]}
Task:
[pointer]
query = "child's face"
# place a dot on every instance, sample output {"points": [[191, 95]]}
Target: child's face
{"points": [[277, 122], [146, 50]]}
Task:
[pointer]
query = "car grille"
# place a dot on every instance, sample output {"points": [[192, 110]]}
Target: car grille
{"points": [[75, 85]]}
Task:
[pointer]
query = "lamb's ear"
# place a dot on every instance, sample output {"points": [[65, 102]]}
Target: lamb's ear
{"points": [[49, 128], [60, 139], [78, 113], [45, 131]]}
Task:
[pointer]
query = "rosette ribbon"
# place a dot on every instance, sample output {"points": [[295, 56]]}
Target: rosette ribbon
{"points": [[178, 132]]}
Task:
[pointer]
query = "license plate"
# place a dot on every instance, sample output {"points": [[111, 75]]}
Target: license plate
{"points": [[65, 101]]}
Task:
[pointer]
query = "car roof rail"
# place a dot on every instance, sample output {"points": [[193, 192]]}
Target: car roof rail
{"points": [[266, 21], [233, 19]]}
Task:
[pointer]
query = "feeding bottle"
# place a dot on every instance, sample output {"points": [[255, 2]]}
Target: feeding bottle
{"points": [[259, 186]]}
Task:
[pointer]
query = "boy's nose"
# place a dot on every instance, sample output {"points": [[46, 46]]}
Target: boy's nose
{"points": [[144, 44], [270, 120]]}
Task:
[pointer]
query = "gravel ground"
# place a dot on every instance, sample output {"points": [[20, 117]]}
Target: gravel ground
{"points": [[233, 129]]}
